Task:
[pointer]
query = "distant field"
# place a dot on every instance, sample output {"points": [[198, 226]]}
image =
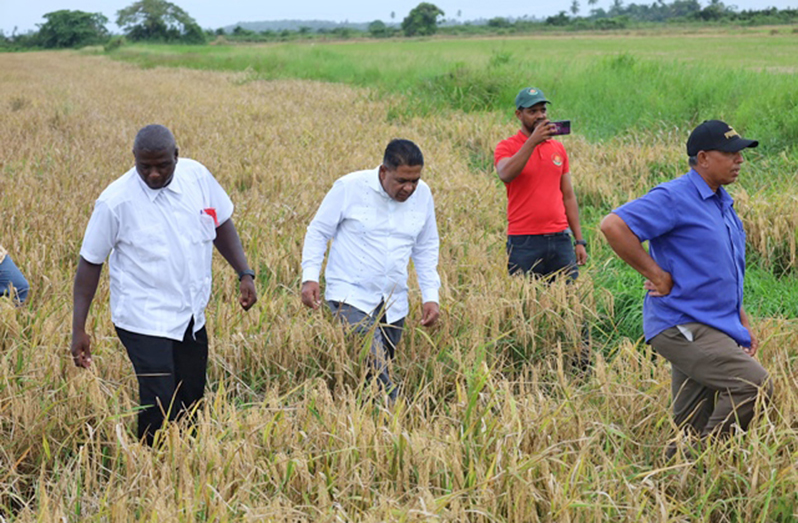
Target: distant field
{"points": [[608, 85], [493, 425]]}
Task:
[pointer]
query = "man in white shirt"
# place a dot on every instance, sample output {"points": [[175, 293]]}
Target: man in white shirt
{"points": [[379, 219], [159, 223]]}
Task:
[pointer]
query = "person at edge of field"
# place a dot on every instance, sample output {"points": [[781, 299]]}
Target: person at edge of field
{"points": [[542, 211], [159, 222], [12, 281], [378, 218], [693, 312]]}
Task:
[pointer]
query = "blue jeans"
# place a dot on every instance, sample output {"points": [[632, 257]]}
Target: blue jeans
{"points": [[383, 346], [10, 277], [542, 255]]}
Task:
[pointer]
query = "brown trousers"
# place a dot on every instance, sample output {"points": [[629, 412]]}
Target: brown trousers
{"points": [[714, 383]]}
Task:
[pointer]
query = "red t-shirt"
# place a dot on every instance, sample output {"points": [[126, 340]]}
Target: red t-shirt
{"points": [[534, 197]]}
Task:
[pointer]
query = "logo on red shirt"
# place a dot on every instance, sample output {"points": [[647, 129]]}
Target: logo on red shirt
{"points": [[556, 159]]}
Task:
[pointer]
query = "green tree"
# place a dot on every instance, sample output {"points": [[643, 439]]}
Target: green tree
{"points": [[559, 20], [499, 22], [422, 20], [378, 29], [67, 28], [575, 7], [159, 20]]}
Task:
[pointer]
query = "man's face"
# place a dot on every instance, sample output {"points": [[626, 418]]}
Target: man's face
{"points": [[401, 182], [722, 168], [531, 117], [156, 168]]}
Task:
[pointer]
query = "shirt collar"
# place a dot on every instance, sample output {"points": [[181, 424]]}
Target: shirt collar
{"points": [[174, 186], [706, 192], [374, 183]]}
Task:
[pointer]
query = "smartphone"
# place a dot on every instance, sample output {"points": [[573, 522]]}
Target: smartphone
{"points": [[563, 127]]}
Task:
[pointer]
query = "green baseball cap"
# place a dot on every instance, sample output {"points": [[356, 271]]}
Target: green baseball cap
{"points": [[529, 96]]}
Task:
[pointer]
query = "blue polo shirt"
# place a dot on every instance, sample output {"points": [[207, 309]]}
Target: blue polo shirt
{"points": [[695, 235]]}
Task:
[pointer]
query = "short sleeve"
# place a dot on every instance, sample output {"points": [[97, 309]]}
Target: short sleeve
{"points": [[566, 167], [219, 199], [101, 234], [502, 151], [649, 216]]}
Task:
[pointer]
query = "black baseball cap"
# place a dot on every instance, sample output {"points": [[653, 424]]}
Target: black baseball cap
{"points": [[714, 135]]}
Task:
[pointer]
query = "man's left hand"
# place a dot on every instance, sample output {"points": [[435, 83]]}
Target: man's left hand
{"points": [[248, 293], [429, 313], [581, 254], [751, 351]]}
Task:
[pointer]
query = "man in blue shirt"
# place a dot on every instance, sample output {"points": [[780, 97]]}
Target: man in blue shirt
{"points": [[693, 313]]}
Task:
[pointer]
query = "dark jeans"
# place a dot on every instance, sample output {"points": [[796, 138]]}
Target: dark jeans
{"points": [[542, 255], [171, 375], [386, 338]]}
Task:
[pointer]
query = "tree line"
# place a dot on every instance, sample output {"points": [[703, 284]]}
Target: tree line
{"points": [[164, 22]]}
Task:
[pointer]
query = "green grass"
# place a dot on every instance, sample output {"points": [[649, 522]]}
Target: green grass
{"points": [[607, 85]]}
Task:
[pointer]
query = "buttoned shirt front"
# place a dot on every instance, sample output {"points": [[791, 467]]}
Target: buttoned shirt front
{"points": [[374, 237], [161, 244], [695, 235]]}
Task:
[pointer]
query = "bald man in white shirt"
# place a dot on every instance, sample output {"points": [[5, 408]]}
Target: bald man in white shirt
{"points": [[159, 223], [379, 219]]}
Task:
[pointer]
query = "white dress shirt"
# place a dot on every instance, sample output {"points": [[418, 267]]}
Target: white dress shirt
{"points": [[374, 237], [161, 244]]}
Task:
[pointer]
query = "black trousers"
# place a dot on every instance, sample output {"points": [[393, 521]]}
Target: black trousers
{"points": [[171, 375]]}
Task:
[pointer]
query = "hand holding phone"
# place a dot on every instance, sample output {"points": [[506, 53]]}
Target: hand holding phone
{"points": [[561, 127]]}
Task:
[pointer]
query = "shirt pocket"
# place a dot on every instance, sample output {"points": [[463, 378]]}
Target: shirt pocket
{"points": [[207, 228]]}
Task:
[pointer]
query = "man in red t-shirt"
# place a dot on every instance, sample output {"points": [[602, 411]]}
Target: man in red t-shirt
{"points": [[541, 204]]}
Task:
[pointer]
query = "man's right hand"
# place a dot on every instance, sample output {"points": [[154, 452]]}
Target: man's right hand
{"points": [[81, 349], [311, 295], [661, 286], [543, 131]]}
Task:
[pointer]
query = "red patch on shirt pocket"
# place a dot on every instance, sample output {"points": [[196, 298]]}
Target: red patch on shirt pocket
{"points": [[210, 211]]}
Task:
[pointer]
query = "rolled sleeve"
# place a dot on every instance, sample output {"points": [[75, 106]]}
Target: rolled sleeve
{"points": [[649, 216], [101, 234]]}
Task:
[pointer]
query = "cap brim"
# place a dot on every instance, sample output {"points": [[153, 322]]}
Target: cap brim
{"points": [[522, 106], [739, 145]]}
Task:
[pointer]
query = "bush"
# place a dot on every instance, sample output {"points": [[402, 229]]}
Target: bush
{"points": [[114, 43]]}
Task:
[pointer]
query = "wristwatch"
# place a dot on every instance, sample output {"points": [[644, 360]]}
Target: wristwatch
{"points": [[580, 242], [248, 272]]}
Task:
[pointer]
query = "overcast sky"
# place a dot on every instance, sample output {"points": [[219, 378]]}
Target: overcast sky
{"points": [[25, 14]]}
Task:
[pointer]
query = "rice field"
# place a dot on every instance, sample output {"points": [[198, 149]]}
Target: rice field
{"points": [[493, 424]]}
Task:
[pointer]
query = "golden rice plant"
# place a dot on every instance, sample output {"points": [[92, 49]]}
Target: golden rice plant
{"points": [[493, 423]]}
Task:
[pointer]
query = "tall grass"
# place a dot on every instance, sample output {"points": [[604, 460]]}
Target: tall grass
{"points": [[492, 424]]}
